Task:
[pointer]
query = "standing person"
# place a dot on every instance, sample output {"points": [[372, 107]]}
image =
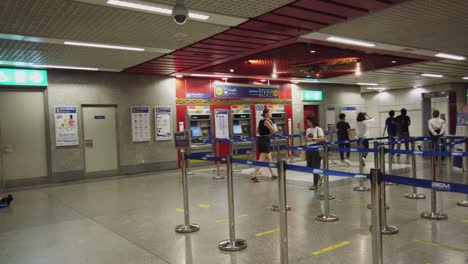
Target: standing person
{"points": [[265, 129], [436, 127], [402, 123], [362, 132], [390, 126], [314, 134], [344, 131]]}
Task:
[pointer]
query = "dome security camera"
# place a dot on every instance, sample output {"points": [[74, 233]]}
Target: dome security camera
{"points": [[180, 12]]}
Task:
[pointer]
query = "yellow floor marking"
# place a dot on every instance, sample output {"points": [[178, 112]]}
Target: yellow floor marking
{"points": [[466, 221], [440, 246], [179, 210], [204, 205], [225, 220], [330, 248], [267, 232]]}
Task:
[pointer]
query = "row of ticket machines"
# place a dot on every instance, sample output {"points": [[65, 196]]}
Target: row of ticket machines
{"points": [[241, 125]]}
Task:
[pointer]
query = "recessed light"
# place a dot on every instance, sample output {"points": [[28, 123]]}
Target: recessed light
{"points": [[65, 67], [432, 75], [179, 76], [296, 82], [274, 75], [153, 8], [263, 80], [367, 84], [231, 70], [312, 51], [465, 78], [105, 46], [224, 79], [351, 42], [450, 56], [394, 62]]}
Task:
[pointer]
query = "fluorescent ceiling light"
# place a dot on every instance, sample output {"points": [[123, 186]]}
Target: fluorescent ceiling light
{"points": [[465, 78], [153, 8], [209, 75], [296, 82], [368, 84], [450, 56], [179, 76], [432, 75], [16, 63], [94, 45], [351, 41], [66, 67]]}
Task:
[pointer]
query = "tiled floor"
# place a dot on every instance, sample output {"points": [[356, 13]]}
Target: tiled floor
{"points": [[131, 220]]}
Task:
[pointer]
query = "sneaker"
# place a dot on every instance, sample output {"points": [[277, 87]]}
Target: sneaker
{"points": [[363, 161], [347, 162]]}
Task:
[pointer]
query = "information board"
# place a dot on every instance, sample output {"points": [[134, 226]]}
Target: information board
{"points": [[308, 95], [23, 77], [182, 140], [221, 123], [163, 121], [140, 118], [223, 90], [66, 126]]}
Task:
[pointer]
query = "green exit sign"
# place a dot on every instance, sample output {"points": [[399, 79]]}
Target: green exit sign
{"points": [[23, 77], [308, 95]]}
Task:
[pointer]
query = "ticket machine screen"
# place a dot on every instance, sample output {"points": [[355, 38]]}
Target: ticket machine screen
{"points": [[237, 130], [196, 131]]}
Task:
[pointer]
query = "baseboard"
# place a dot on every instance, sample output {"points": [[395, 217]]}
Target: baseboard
{"points": [[148, 167]]}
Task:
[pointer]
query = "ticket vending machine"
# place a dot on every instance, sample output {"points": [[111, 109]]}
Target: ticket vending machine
{"points": [[200, 123], [241, 127]]}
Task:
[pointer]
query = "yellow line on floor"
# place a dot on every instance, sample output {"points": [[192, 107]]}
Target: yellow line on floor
{"points": [[204, 205], [267, 232], [179, 210], [466, 221], [330, 248], [440, 245], [225, 220]]}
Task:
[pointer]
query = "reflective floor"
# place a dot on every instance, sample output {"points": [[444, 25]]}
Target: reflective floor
{"points": [[131, 220]]}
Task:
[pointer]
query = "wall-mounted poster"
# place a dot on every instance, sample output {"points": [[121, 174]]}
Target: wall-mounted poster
{"points": [[221, 123], [140, 123], [163, 121], [66, 126]]}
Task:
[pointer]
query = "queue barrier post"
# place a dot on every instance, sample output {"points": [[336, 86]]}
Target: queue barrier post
{"points": [[326, 216], [464, 203], [326, 166], [376, 184], [233, 243], [414, 195], [361, 187], [386, 229], [283, 212], [218, 169], [187, 227], [433, 214]]}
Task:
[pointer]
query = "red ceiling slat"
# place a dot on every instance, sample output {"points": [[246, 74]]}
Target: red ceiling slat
{"points": [[283, 20], [270, 28], [309, 15], [251, 39], [366, 4], [217, 47], [231, 43], [209, 51], [329, 8], [211, 56], [249, 33], [188, 58]]}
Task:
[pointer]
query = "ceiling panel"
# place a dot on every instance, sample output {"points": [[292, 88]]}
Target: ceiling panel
{"points": [[56, 54], [438, 25], [247, 8]]}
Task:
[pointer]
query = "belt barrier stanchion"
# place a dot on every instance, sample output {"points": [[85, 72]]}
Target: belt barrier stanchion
{"points": [[186, 227], [464, 203], [236, 150], [189, 166], [326, 216], [325, 177], [218, 170], [231, 244], [361, 187], [386, 229], [390, 162], [283, 212], [377, 249], [414, 194], [433, 214], [276, 207]]}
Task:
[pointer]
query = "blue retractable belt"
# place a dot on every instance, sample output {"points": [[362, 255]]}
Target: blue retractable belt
{"points": [[436, 185], [324, 172], [255, 163]]}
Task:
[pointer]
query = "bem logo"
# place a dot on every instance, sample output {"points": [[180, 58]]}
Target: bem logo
{"points": [[249, 163], [441, 186], [360, 176], [456, 154], [317, 171], [417, 152]]}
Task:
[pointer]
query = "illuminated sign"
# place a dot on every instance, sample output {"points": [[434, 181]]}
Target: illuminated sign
{"points": [[222, 90], [23, 77], [312, 95]]}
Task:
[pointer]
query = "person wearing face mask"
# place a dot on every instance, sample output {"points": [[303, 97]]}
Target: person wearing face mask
{"points": [[265, 129]]}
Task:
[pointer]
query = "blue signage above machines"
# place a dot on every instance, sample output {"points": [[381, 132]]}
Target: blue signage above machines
{"points": [[198, 95], [222, 90]]}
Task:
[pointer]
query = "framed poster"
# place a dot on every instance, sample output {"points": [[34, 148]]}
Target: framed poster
{"points": [[221, 123], [140, 118], [163, 121], [66, 126]]}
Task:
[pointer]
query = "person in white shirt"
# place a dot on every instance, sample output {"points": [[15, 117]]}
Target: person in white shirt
{"points": [[362, 132], [314, 134], [436, 125]]}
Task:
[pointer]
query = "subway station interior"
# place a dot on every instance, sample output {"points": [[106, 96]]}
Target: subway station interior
{"points": [[233, 131]]}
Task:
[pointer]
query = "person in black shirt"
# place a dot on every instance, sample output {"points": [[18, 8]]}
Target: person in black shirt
{"points": [[265, 129], [402, 123], [344, 129]]}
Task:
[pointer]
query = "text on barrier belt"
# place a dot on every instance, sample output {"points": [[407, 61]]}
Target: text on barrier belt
{"points": [[436, 185], [204, 157], [255, 163], [428, 153], [362, 150], [325, 172]]}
